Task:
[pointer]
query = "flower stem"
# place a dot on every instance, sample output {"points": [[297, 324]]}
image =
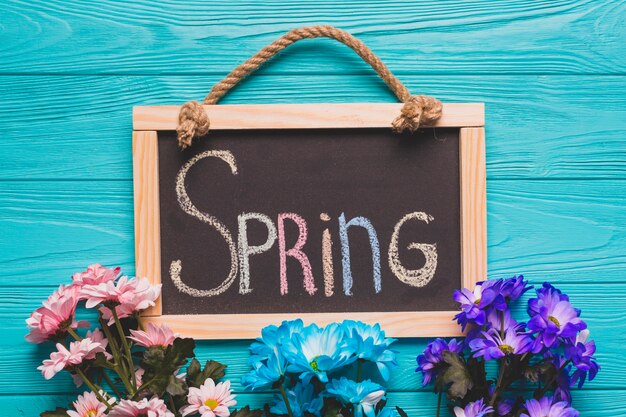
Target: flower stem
{"points": [[107, 378], [120, 367], [94, 388], [284, 395], [439, 403], [74, 334], [556, 374], [129, 356]]}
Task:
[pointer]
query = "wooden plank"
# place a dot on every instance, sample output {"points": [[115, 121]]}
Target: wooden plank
{"points": [[589, 403], [48, 117], [246, 326], [147, 223], [20, 359], [534, 228], [303, 116], [473, 206], [422, 37]]}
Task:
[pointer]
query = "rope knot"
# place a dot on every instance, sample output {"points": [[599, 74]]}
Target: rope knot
{"points": [[417, 111], [193, 122]]}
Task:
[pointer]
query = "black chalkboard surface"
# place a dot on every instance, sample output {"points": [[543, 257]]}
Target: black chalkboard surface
{"points": [[359, 181]]}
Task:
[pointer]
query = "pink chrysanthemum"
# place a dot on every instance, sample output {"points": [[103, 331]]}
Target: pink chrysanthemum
{"points": [[144, 408], [210, 400], [87, 405], [127, 296], [64, 357], [95, 274], [98, 337], [154, 336], [51, 321]]}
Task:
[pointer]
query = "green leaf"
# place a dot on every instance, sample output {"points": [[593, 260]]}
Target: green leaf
{"points": [[161, 364], [212, 369], [59, 412], [246, 412], [456, 377], [193, 369], [176, 386]]}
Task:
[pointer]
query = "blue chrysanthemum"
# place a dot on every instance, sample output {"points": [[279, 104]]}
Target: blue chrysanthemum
{"points": [[363, 396], [302, 399], [369, 343], [315, 352]]}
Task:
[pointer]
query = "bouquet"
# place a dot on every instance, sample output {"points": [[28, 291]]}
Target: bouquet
{"points": [[129, 371], [327, 371], [536, 362]]}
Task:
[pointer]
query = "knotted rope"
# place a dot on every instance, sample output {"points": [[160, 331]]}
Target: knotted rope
{"points": [[417, 111]]}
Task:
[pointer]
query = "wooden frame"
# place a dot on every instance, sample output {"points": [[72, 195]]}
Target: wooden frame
{"points": [[469, 117]]}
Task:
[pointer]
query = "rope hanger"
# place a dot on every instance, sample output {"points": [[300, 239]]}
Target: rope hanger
{"points": [[418, 110]]}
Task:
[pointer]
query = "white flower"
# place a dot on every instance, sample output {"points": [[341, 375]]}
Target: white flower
{"points": [[210, 400]]}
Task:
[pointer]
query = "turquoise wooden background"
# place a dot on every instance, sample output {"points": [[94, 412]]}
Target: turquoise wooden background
{"points": [[551, 75]]}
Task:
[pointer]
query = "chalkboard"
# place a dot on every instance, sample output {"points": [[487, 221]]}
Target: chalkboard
{"points": [[265, 224]]}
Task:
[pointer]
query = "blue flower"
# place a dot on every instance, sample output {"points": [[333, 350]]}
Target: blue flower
{"points": [[546, 407], [581, 355], [369, 343], [363, 396], [302, 399], [428, 362], [553, 318], [269, 365], [265, 373], [315, 352], [475, 304], [473, 409], [493, 346], [272, 337]]}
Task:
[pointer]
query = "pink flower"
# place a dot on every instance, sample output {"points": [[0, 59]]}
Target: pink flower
{"points": [[87, 405], [144, 408], [210, 400], [127, 296], [154, 336], [51, 321], [64, 358], [95, 274], [98, 337]]}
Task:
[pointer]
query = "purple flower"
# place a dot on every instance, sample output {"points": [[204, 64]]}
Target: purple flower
{"points": [[474, 409], [429, 361], [546, 407], [502, 320], [581, 355], [474, 304], [547, 293], [513, 288], [563, 380], [505, 406], [552, 317], [493, 346]]}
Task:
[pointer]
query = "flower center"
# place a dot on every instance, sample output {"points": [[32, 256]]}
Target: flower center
{"points": [[506, 349], [555, 321], [477, 302], [91, 413], [313, 364], [211, 403]]}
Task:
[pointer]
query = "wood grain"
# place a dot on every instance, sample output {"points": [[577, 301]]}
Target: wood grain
{"points": [[581, 136], [473, 206], [564, 231], [147, 218], [303, 116], [109, 37]]}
